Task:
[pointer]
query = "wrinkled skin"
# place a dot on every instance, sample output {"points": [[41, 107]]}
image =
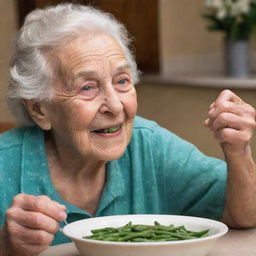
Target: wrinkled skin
{"points": [[94, 91], [31, 223], [233, 122]]}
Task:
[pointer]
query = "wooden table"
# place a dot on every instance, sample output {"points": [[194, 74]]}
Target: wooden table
{"points": [[234, 243]]}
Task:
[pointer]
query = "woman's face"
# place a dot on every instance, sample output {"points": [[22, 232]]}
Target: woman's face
{"points": [[95, 104]]}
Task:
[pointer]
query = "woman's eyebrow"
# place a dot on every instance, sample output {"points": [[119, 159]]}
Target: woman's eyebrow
{"points": [[91, 73], [122, 68], [84, 74]]}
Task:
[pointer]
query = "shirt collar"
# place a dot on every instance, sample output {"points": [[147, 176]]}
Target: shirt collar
{"points": [[35, 178]]}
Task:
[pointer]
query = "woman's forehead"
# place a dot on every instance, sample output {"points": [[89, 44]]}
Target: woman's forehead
{"points": [[92, 53], [92, 46]]}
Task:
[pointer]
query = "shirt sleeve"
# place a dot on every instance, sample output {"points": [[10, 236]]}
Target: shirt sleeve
{"points": [[194, 184]]}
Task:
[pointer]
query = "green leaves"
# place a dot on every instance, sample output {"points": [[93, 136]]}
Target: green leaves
{"points": [[235, 27]]}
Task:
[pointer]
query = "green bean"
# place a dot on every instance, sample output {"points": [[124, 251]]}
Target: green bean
{"points": [[145, 233], [102, 230], [200, 233]]}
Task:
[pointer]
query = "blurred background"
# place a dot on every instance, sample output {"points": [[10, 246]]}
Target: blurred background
{"points": [[182, 62]]}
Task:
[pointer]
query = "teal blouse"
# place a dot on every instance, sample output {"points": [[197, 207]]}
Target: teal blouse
{"points": [[159, 173]]}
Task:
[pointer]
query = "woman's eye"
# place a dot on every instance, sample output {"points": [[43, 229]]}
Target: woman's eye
{"points": [[123, 81], [88, 91], [124, 84], [86, 88]]}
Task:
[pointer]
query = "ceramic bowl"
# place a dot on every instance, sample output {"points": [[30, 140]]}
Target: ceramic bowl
{"points": [[192, 247]]}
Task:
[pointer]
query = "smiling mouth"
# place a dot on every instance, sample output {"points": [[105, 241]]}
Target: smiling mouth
{"points": [[109, 130]]}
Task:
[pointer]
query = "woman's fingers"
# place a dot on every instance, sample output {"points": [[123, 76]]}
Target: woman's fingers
{"points": [[227, 95], [230, 107], [30, 236], [232, 136], [42, 204], [25, 242], [231, 120], [31, 223], [33, 220]]}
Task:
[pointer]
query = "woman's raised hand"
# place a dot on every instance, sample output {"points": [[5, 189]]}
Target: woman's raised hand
{"points": [[232, 121]]}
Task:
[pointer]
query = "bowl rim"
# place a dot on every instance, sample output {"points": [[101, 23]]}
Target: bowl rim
{"points": [[223, 230]]}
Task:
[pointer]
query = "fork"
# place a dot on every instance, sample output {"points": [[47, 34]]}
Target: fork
{"points": [[61, 228]]}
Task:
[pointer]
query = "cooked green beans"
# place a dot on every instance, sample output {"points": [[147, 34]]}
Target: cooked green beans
{"points": [[145, 233]]}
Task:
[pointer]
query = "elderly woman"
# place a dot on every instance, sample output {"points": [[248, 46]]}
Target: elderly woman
{"points": [[82, 152]]}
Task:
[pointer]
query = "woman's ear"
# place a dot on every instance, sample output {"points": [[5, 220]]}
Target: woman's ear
{"points": [[38, 113]]}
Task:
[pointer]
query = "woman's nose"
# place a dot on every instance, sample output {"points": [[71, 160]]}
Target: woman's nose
{"points": [[112, 103]]}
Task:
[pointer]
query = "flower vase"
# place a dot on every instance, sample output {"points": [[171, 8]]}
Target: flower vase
{"points": [[237, 58]]}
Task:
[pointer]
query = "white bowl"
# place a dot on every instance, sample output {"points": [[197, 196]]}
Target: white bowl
{"points": [[192, 247]]}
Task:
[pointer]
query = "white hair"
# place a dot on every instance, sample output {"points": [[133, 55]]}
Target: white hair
{"points": [[31, 74]]}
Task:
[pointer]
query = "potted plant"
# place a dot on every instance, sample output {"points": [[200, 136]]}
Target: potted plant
{"points": [[237, 19]]}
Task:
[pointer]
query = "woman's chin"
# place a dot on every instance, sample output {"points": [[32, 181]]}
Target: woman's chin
{"points": [[112, 155], [110, 149]]}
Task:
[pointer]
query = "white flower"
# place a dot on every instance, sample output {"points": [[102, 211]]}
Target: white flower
{"points": [[215, 4], [218, 6], [221, 13], [230, 14], [234, 8], [240, 7]]}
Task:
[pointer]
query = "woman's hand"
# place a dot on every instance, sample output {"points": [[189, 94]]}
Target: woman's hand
{"points": [[31, 223], [232, 121]]}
